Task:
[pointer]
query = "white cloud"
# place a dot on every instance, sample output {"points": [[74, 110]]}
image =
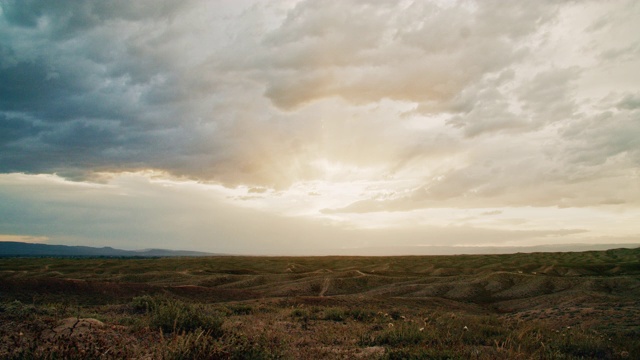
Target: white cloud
{"points": [[142, 210]]}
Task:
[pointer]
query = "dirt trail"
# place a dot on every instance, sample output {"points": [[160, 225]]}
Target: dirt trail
{"points": [[361, 273], [325, 286]]}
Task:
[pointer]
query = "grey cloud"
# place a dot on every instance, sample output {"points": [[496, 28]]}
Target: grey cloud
{"points": [[421, 53], [85, 85], [629, 102], [545, 98], [627, 53], [593, 141], [184, 88], [68, 17], [117, 86], [548, 96], [15, 127], [487, 112]]}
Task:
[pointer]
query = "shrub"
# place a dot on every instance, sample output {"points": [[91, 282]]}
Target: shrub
{"points": [[241, 309], [395, 314], [16, 309], [483, 334], [203, 345], [144, 304], [334, 314], [361, 314], [195, 345], [402, 335], [300, 313], [303, 316], [177, 316], [260, 348]]}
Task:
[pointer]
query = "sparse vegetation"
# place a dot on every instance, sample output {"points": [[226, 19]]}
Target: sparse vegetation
{"points": [[576, 306], [176, 316], [334, 314]]}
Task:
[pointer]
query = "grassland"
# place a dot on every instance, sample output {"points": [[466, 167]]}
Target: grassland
{"points": [[521, 306]]}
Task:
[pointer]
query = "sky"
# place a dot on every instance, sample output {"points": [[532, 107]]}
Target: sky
{"points": [[313, 127]]}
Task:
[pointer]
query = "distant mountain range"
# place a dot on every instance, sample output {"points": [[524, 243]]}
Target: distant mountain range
{"points": [[482, 250], [21, 249], [14, 248]]}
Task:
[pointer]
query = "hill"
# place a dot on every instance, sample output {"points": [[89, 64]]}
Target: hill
{"points": [[565, 305], [14, 248]]}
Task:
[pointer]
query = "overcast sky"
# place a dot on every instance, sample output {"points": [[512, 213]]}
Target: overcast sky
{"points": [[319, 127]]}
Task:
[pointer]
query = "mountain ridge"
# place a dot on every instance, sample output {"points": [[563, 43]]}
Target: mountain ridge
{"points": [[16, 248], [24, 249]]}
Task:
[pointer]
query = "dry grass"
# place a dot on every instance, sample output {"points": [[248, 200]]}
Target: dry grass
{"points": [[575, 306]]}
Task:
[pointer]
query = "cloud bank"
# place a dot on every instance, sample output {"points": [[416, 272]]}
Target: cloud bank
{"points": [[347, 109]]}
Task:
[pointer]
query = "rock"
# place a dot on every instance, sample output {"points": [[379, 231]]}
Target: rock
{"points": [[76, 326]]}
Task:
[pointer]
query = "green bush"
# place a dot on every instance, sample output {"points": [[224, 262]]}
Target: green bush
{"points": [[144, 304]]}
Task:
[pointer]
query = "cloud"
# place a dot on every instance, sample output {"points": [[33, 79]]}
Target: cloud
{"points": [[24, 238], [67, 19], [138, 210], [496, 104], [589, 164], [606, 141], [423, 52], [461, 102], [358, 122], [74, 88], [629, 102]]}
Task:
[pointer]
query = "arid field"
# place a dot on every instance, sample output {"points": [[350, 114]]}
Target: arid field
{"points": [[521, 306]]}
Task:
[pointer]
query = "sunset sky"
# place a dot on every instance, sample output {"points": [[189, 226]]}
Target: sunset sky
{"points": [[319, 127]]}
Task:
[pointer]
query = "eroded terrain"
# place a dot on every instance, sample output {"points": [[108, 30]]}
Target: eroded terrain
{"points": [[543, 305]]}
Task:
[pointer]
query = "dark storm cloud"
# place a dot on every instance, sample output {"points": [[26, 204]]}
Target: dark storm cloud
{"points": [[69, 16], [16, 128], [82, 85]]}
